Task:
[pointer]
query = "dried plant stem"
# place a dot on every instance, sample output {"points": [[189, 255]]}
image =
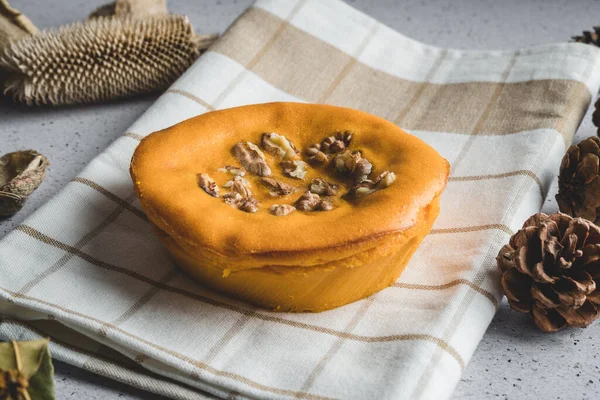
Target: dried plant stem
{"points": [[19, 363]]}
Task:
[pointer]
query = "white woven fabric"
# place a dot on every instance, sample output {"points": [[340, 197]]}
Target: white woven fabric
{"points": [[88, 261]]}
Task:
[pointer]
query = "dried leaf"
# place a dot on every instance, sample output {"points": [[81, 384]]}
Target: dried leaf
{"points": [[36, 366], [13, 24], [21, 173], [139, 8]]}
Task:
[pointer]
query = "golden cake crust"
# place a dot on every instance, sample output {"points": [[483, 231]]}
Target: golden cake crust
{"points": [[165, 165]]}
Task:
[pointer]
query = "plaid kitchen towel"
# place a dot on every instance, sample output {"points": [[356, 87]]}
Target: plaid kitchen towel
{"points": [[86, 269]]}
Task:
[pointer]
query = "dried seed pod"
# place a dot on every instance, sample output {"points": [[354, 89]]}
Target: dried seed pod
{"points": [[278, 145], [277, 188], [247, 204], [323, 188], [251, 158], [281, 210], [233, 170], [21, 173], [101, 59], [294, 169], [208, 184], [316, 156]]}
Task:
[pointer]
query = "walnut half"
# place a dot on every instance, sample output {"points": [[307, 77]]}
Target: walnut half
{"points": [[366, 187], [232, 170], [281, 210], [208, 184], [294, 169], [247, 204], [361, 189], [239, 185], [337, 143], [323, 188], [316, 156], [354, 164], [312, 202], [278, 145], [251, 158], [277, 188], [385, 179]]}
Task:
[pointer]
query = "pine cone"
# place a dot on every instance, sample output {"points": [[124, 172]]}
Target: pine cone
{"points": [[588, 37], [102, 59], [596, 115], [550, 268], [578, 183]]}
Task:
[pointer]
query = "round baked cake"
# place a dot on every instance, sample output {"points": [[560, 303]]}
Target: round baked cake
{"points": [[289, 206]]}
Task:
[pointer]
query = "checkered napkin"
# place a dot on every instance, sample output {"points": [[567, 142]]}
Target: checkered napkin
{"points": [[86, 269]]}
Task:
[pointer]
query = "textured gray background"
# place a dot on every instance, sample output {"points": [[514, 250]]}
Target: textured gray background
{"points": [[514, 361]]}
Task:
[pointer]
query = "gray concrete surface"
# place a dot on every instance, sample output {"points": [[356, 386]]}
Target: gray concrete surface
{"points": [[514, 360]]}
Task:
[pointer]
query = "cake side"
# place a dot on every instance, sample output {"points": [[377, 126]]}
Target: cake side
{"points": [[166, 163]]}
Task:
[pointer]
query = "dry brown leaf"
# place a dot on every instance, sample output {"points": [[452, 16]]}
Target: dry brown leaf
{"points": [[13, 24], [21, 173], [121, 8]]}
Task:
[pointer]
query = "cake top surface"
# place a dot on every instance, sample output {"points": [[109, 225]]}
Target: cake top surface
{"points": [[284, 178]]}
